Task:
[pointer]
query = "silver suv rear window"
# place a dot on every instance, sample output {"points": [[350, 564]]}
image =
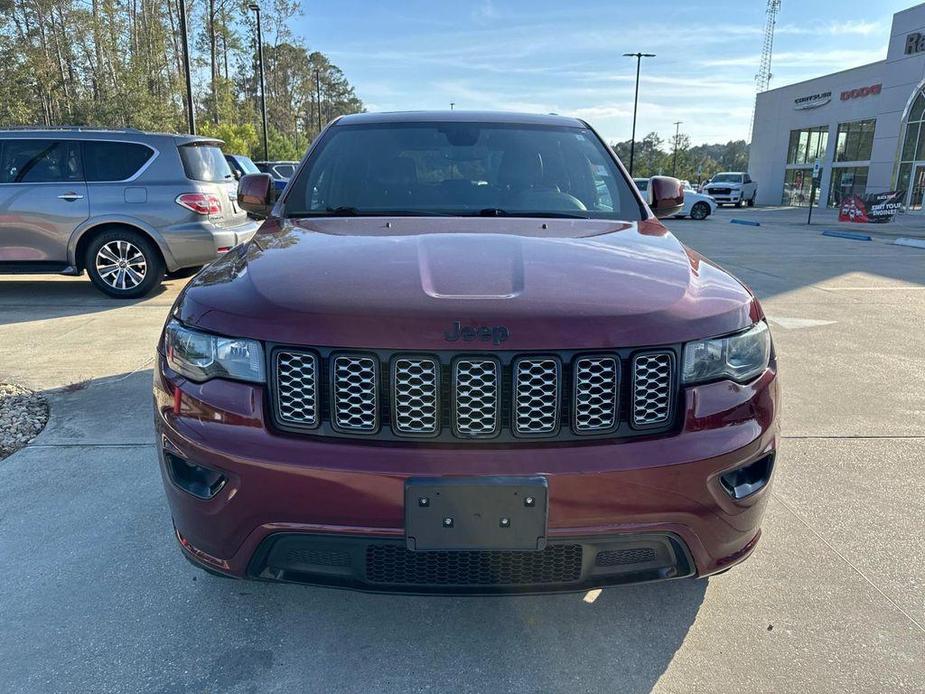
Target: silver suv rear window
{"points": [[205, 162]]}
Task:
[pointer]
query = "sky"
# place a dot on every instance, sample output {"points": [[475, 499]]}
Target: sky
{"points": [[566, 57]]}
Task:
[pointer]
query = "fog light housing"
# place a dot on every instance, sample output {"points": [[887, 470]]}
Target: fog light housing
{"points": [[201, 482], [748, 479]]}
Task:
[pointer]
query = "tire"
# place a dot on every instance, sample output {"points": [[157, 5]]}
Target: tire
{"points": [[751, 203], [700, 210], [740, 203], [124, 264]]}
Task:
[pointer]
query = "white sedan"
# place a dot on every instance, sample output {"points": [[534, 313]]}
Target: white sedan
{"points": [[696, 205]]}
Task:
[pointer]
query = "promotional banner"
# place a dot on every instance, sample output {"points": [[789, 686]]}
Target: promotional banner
{"points": [[873, 207]]}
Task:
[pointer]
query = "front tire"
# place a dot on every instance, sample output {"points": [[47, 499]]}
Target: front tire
{"points": [[124, 264], [700, 210]]}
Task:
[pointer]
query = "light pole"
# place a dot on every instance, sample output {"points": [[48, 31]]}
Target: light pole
{"points": [[452, 105], [190, 112], [638, 57], [263, 91], [318, 95], [674, 159]]}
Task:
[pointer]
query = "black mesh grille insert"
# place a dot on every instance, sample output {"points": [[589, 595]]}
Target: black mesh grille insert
{"points": [[317, 557], [621, 557], [397, 565]]}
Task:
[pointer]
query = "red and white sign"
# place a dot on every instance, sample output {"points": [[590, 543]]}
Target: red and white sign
{"points": [[861, 92]]}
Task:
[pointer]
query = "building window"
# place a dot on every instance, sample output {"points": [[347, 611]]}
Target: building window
{"points": [[847, 181], [808, 145], [912, 159], [855, 140], [797, 187]]}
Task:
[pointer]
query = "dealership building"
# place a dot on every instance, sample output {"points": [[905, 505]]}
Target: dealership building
{"points": [[864, 127]]}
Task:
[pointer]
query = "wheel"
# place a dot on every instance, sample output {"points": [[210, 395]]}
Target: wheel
{"points": [[124, 264], [751, 203], [740, 203], [700, 210]]}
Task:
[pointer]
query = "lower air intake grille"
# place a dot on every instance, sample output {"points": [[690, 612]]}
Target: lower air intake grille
{"points": [[397, 565], [652, 386], [622, 557], [356, 393]]}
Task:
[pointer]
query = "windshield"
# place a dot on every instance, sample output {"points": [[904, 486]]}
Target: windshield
{"points": [[727, 178], [466, 169]]}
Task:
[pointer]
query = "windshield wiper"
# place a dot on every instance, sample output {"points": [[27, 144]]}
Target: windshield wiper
{"points": [[498, 212]]}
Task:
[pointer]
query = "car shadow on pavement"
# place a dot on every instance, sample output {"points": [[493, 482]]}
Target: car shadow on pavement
{"points": [[24, 300], [622, 640]]}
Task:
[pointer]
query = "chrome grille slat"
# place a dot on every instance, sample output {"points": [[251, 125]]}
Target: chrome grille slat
{"points": [[594, 406], [536, 395], [476, 397], [355, 393], [416, 396], [652, 388], [297, 388]]}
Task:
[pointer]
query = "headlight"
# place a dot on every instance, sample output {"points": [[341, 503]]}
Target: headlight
{"points": [[740, 357], [201, 356]]}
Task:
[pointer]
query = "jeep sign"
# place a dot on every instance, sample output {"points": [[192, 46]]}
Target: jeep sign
{"points": [[915, 43]]}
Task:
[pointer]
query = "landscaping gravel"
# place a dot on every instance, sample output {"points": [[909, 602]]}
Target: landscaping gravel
{"points": [[22, 416]]}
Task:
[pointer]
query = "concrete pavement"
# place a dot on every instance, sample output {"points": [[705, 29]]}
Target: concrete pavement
{"points": [[96, 596]]}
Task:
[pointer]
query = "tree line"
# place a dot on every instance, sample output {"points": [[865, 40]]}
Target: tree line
{"points": [[119, 64], [654, 156]]}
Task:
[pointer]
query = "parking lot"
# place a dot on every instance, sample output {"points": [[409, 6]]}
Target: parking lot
{"points": [[96, 596]]}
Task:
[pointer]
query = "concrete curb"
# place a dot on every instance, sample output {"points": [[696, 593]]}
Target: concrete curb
{"points": [[915, 243], [847, 235], [745, 221]]}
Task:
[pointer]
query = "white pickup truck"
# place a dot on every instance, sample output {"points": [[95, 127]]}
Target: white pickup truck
{"points": [[732, 188]]}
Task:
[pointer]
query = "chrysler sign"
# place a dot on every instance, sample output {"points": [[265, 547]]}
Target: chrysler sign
{"points": [[812, 101]]}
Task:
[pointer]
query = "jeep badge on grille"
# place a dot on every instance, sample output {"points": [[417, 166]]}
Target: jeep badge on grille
{"points": [[496, 334]]}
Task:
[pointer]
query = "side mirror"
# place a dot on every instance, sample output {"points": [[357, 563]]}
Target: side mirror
{"points": [[256, 194], [666, 196]]}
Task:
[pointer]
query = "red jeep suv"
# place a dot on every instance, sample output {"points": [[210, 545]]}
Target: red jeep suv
{"points": [[462, 355]]}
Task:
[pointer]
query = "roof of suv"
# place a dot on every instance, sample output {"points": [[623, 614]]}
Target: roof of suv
{"points": [[460, 117], [90, 133]]}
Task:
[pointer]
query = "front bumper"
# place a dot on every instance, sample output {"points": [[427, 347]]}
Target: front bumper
{"points": [[725, 198], [337, 505]]}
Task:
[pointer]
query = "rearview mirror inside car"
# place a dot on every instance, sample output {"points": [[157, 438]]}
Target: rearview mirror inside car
{"points": [[256, 194], [666, 196]]}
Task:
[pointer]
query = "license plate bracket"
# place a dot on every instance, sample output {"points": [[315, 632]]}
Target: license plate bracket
{"points": [[476, 513]]}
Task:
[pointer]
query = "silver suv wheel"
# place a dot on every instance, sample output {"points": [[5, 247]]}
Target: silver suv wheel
{"points": [[121, 264]]}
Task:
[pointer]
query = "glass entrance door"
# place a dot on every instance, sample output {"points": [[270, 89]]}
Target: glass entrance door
{"points": [[916, 188]]}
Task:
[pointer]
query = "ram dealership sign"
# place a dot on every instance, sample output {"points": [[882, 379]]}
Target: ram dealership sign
{"points": [[812, 101], [915, 43]]}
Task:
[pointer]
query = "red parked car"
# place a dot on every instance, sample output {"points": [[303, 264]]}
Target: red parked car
{"points": [[463, 355]]}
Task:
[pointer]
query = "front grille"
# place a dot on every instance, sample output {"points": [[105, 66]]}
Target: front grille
{"points": [[356, 393], [450, 397], [596, 394], [297, 388], [416, 395], [475, 383], [719, 191], [396, 565], [652, 387], [536, 395]]}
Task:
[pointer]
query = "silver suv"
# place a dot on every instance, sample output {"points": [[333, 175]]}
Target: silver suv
{"points": [[126, 206]]}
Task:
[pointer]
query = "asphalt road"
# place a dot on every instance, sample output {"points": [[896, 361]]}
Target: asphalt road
{"points": [[95, 595]]}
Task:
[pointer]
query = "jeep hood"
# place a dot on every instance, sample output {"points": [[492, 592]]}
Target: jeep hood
{"points": [[400, 283]]}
